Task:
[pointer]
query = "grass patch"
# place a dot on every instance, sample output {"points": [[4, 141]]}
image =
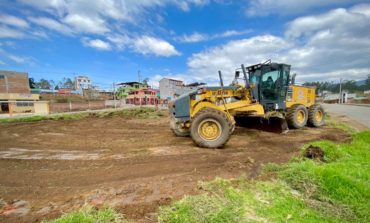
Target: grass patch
{"points": [[335, 189], [339, 125], [73, 116], [90, 215], [141, 113]]}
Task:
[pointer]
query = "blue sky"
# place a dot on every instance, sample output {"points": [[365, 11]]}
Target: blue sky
{"points": [[110, 40]]}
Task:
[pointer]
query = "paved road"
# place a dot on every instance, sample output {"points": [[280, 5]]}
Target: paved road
{"points": [[358, 113]]}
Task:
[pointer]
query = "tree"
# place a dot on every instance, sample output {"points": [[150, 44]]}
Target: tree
{"points": [[43, 84], [68, 83], [145, 81], [32, 83], [367, 82]]}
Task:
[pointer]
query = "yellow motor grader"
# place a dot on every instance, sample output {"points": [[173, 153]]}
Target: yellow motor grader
{"points": [[267, 90]]}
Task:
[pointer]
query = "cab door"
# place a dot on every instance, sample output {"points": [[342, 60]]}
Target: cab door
{"points": [[273, 86]]}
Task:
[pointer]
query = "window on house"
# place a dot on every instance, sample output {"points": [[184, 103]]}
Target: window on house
{"points": [[2, 77], [24, 104]]}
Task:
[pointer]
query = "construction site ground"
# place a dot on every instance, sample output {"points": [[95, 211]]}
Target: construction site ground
{"points": [[136, 165]]}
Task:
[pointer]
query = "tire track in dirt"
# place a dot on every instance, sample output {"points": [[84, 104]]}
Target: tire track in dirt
{"points": [[138, 166]]}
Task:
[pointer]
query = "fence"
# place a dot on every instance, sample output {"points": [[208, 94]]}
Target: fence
{"points": [[19, 108], [76, 106]]}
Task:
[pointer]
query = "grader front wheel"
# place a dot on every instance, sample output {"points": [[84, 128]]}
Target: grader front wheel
{"points": [[211, 128], [297, 116], [177, 129]]}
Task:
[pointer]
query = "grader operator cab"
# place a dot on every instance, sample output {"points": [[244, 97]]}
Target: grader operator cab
{"points": [[266, 90]]}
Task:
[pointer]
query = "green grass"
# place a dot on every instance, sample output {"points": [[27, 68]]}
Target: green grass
{"points": [[90, 215], [141, 113], [339, 125], [336, 189]]}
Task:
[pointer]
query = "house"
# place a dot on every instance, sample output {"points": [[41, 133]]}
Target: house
{"points": [[83, 83], [15, 94], [168, 88], [126, 87], [171, 88], [144, 96]]}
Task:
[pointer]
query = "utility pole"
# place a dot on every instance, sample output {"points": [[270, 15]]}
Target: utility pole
{"points": [[114, 95], [6, 83], [138, 75], [340, 91]]}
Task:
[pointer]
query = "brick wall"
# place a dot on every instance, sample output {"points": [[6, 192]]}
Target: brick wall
{"points": [[14, 82]]}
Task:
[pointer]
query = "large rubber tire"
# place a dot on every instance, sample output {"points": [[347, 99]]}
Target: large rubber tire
{"points": [[292, 116], [220, 121], [316, 116], [177, 129]]}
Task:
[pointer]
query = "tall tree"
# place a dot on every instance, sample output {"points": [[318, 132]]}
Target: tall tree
{"points": [[367, 82], [43, 84], [66, 83], [32, 83], [145, 81]]}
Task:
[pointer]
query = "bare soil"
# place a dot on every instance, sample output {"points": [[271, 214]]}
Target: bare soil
{"points": [[51, 167]]}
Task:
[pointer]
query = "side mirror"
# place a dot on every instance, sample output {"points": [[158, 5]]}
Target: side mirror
{"points": [[292, 82]]}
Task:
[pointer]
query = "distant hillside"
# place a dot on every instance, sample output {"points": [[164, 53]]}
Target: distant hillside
{"points": [[360, 83]]}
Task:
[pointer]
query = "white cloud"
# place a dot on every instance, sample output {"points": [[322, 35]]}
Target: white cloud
{"points": [[291, 7], [39, 34], [2, 63], [51, 24], [199, 37], [195, 37], [151, 45], [97, 44], [17, 59], [338, 39], [204, 65], [230, 33], [6, 32], [120, 41], [85, 24], [99, 16], [13, 21], [321, 47]]}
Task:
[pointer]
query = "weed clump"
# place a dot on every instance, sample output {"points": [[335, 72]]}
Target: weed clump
{"points": [[90, 215]]}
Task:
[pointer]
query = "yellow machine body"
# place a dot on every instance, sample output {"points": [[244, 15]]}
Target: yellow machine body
{"points": [[208, 114], [300, 95]]}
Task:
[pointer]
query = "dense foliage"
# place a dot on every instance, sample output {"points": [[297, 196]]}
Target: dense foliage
{"points": [[349, 85]]}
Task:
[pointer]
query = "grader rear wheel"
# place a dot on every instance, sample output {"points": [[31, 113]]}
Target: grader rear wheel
{"points": [[297, 116], [316, 115], [211, 128]]}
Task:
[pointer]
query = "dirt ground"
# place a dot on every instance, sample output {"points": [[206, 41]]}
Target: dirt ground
{"points": [[51, 167]]}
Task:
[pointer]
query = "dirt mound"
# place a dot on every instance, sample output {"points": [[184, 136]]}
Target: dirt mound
{"points": [[314, 152]]}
